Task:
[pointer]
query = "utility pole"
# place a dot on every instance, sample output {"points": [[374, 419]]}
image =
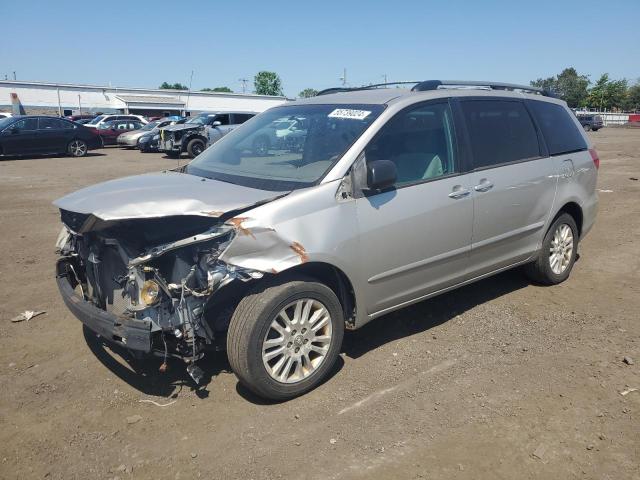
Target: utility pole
{"points": [[343, 78], [385, 77], [244, 84], [186, 107], [14, 75], [79, 105], [59, 106]]}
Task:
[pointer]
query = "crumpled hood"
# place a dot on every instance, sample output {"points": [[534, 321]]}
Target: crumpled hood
{"points": [[181, 126], [162, 194]]}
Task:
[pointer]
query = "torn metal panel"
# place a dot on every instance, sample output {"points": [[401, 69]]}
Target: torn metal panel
{"points": [[162, 194]]}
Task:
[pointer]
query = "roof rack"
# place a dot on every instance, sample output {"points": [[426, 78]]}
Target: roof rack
{"points": [[328, 91], [427, 85], [435, 84]]}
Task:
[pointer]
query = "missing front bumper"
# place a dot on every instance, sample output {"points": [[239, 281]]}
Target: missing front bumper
{"points": [[130, 333]]}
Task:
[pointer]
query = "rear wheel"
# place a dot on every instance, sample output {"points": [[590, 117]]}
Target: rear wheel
{"points": [[77, 148], [587, 128], [195, 147], [558, 253], [285, 337]]}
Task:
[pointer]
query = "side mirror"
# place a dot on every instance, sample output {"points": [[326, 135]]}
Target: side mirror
{"points": [[14, 130], [217, 123], [381, 174]]}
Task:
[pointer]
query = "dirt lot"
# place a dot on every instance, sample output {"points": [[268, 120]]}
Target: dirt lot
{"points": [[501, 379]]}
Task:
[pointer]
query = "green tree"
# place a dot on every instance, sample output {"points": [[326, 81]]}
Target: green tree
{"points": [[545, 83], [633, 98], [267, 83], [572, 87], [308, 92], [568, 85], [173, 86], [608, 94], [217, 89]]}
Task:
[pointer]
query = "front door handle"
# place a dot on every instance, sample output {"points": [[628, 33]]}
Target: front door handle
{"points": [[459, 192], [484, 186]]}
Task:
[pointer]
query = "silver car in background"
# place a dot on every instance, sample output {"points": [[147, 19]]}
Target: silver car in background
{"points": [[130, 139], [392, 197]]}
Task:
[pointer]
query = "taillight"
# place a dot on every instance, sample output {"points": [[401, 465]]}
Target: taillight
{"points": [[594, 157]]}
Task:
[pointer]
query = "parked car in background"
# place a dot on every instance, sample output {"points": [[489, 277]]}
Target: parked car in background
{"points": [[84, 118], [100, 119], [5, 114], [109, 131], [25, 135], [84, 121], [286, 133], [590, 122], [130, 139], [150, 141], [199, 132], [396, 196]]}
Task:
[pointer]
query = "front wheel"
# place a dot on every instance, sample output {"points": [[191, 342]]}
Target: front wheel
{"points": [[284, 337], [77, 148], [195, 147], [558, 253]]}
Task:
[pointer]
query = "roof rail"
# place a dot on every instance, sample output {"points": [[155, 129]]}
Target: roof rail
{"points": [[328, 91], [435, 84], [427, 85]]}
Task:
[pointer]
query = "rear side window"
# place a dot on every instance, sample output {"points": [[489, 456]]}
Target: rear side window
{"points": [[559, 130], [500, 131]]}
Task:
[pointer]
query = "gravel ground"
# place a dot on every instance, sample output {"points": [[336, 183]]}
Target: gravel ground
{"points": [[501, 379]]}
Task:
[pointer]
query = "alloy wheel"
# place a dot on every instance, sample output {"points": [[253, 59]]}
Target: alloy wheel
{"points": [[297, 341], [561, 250]]}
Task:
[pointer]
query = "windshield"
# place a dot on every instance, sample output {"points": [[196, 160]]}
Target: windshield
{"points": [[151, 125], [198, 120], [257, 154]]}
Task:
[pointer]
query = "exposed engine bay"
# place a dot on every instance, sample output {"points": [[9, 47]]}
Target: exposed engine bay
{"points": [[124, 268]]}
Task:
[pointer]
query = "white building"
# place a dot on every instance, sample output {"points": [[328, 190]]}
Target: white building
{"points": [[68, 99]]}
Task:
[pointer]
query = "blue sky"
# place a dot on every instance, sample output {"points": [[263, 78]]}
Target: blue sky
{"points": [[129, 43]]}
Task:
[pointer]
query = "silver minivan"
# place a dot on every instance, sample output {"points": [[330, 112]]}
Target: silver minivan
{"points": [[392, 196]]}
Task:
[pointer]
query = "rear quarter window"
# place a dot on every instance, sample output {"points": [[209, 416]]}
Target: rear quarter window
{"points": [[500, 131], [558, 128]]}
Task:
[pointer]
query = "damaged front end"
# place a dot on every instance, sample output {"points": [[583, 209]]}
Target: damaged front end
{"points": [[146, 284]]}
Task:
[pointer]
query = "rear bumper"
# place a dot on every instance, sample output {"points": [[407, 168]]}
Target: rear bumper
{"points": [[130, 333]]}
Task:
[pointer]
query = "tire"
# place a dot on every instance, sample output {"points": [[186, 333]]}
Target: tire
{"points": [[77, 148], [252, 325], [542, 271], [587, 128], [260, 145], [195, 147]]}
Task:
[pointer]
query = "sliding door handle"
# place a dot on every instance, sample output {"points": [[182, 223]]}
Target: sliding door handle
{"points": [[484, 186], [459, 192]]}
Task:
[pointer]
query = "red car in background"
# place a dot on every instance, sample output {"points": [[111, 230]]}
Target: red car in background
{"points": [[109, 131]]}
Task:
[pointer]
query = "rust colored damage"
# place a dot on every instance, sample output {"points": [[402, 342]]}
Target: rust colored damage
{"points": [[237, 223], [299, 249], [213, 213]]}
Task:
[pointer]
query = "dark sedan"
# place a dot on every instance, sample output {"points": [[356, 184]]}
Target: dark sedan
{"points": [[25, 135], [109, 131]]}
